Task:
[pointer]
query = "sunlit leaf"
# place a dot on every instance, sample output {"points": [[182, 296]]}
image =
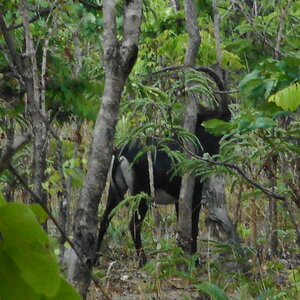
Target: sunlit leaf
{"points": [[287, 98]]}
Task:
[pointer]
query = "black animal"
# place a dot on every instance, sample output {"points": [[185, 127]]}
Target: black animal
{"points": [[133, 175]]}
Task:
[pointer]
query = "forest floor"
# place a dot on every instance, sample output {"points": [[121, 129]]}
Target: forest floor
{"points": [[126, 283], [123, 280], [165, 278]]}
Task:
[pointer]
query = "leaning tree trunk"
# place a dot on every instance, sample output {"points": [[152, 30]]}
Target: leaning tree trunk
{"points": [[119, 58], [187, 186], [217, 217]]}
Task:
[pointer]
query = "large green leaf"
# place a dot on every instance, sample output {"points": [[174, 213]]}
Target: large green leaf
{"points": [[65, 292], [262, 122], [12, 286], [287, 98], [27, 245], [217, 126]]}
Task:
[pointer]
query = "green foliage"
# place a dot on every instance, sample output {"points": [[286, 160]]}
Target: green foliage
{"points": [[68, 97], [172, 262], [25, 257], [287, 98], [212, 290], [132, 202], [270, 77], [217, 127]]}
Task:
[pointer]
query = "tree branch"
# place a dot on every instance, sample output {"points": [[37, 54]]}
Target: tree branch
{"points": [[10, 150], [239, 171], [15, 56], [250, 21], [39, 14]]}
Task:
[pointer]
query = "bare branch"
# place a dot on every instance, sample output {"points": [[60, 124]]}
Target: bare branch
{"points": [[217, 31], [280, 29], [10, 150], [15, 56], [39, 14], [241, 172]]}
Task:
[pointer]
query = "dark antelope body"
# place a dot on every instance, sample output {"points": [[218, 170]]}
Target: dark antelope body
{"points": [[134, 177]]}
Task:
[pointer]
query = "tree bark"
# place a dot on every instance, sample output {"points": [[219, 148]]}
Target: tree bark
{"points": [[217, 216], [217, 33], [35, 105], [187, 185], [119, 58], [27, 68]]}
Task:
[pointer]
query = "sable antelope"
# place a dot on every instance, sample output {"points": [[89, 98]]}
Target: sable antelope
{"points": [[129, 173]]}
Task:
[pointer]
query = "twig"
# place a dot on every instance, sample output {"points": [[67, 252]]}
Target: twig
{"points": [[10, 150], [250, 20], [239, 171], [280, 29], [39, 14], [15, 56]]}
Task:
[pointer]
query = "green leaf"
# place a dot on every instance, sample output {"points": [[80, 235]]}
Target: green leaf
{"points": [[27, 245], [231, 60], [89, 17], [287, 98], [216, 126], [39, 212], [12, 286], [212, 290], [2, 200], [263, 122], [244, 125], [66, 292], [245, 81]]}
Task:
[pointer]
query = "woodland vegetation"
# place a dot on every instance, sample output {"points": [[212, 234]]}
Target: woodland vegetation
{"points": [[79, 78]]}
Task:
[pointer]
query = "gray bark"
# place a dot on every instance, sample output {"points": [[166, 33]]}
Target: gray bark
{"points": [[119, 58], [35, 105], [217, 217], [27, 69], [217, 32], [187, 186]]}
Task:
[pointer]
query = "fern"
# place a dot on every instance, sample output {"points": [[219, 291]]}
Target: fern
{"points": [[287, 98], [212, 290]]}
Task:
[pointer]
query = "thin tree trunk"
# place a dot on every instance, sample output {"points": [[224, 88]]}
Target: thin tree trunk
{"points": [[64, 205], [10, 135], [187, 185], [119, 58], [217, 33], [272, 171], [34, 100], [27, 68]]}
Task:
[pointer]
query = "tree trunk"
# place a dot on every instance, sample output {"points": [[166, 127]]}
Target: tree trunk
{"points": [[119, 58], [217, 216], [10, 135], [26, 66], [188, 182], [35, 105]]}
